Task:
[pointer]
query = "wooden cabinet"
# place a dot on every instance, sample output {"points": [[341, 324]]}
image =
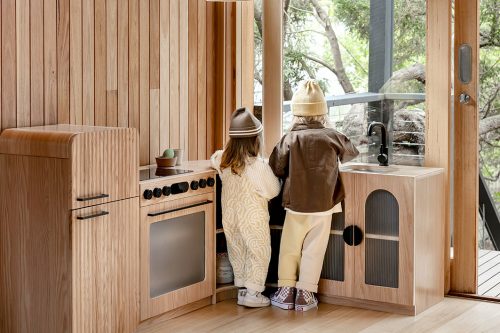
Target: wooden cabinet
{"points": [[101, 167], [69, 265], [105, 246], [395, 262]]}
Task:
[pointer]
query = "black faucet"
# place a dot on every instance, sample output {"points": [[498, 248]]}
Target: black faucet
{"points": [[383, 157]]}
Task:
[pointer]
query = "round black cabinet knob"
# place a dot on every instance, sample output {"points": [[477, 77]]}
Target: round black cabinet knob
{"points": [[166, 191], [148, 194], [210, 181], [202, 183], [194, 185], [157, 192], [353, 235]]}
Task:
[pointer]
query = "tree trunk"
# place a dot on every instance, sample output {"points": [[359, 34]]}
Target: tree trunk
{"points": [[334, 45]]}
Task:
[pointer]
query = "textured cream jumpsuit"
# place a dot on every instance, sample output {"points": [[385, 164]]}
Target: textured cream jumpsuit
{"points": [[245, 218]]}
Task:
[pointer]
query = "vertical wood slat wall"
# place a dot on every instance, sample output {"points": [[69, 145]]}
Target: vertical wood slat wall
{"points": [[128, 63]]}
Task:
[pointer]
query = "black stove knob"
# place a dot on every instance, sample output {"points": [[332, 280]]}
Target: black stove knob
{"points": [[166, 191], [194, 185], [157, 192], [210, 181], [202, 183], [148, 194]]}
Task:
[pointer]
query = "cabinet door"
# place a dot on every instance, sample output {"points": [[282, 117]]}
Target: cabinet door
{"points": [[105, 293], [384, 259], [105, 167], [337, 275]]}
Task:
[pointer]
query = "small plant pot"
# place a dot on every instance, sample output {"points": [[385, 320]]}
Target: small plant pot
{"points": [[165, 162]]}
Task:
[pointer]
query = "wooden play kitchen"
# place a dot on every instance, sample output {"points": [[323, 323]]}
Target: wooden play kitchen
{"points": [[83, 229]]}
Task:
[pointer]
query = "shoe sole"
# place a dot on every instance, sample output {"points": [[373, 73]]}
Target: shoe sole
{"points": [[255, 305], [283, 305], [304, 308]]}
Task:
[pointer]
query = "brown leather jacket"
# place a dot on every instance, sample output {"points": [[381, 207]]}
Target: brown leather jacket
{"points": [[307, 160]]}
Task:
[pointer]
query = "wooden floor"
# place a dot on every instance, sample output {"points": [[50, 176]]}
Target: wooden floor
{"points": [[451, 315], [489, 274]]}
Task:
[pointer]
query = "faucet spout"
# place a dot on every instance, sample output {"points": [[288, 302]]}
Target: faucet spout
{"points": [[382, 158]]}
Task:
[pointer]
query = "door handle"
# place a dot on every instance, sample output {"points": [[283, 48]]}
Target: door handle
{"points": [[180, 208], [353, 235], [87, 217], [464, 98], [99, 196]]}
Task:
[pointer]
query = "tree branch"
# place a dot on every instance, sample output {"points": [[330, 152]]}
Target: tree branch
{"points": [[334, 45], [489, 124], [321, 62]]}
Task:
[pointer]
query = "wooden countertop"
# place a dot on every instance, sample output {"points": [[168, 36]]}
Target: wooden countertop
{"points": [[391, 170]]}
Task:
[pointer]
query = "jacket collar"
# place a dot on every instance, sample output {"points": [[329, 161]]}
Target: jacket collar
{"points": [[312, 125]]}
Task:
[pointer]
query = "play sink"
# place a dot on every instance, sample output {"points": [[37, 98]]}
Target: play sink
{"points": [[367, 167]]}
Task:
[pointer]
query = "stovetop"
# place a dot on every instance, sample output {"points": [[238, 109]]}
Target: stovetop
{"points": [[154, 173]]}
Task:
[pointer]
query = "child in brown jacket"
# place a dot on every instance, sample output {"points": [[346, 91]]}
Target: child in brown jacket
{"points": [[306, 159]]}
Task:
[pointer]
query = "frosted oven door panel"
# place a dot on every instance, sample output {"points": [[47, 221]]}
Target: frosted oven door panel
{"points": [[177, 253]]}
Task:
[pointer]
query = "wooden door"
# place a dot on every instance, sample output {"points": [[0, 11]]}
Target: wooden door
{"points": [[105, 167], [335, 280], [105, 291], [384, 259], [466, 151]]}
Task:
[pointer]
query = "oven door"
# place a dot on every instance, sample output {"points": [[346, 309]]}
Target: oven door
{"points": [[177, 254]]}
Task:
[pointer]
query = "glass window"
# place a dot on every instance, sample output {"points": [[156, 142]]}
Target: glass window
{"points": [[368, 57]]}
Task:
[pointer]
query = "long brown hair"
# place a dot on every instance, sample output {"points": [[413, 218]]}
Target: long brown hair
{"points": [[237, 152]]}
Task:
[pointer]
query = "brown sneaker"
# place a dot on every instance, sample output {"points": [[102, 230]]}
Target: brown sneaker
{"points": [[305, 300], [284, 298]]}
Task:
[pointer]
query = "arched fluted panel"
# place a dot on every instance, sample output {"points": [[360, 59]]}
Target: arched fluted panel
{"points": [[382, 242], [382, 214]]}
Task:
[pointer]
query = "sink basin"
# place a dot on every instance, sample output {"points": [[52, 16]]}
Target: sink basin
{"points": [[366, 167]]}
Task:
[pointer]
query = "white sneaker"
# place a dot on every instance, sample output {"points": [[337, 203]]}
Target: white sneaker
{"points": [[241, 295], [255, 300]]}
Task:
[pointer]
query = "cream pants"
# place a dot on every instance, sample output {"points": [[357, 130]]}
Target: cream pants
{"points": [[249, 250], [303, 245]]}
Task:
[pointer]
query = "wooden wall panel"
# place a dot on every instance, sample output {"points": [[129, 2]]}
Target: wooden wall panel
{"points": [[62, 62], [164, 73], [155, 135], [174, 74], [36, 44], [147, 64], [23, 62], [133, 91], [50, 61], [75, 62], [88, 62], [438, 90], [144, 81], [123, 65], [100, 79], [193, 80]]}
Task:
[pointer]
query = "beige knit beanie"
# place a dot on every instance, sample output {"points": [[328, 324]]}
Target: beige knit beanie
{"points": [[309, 100]]}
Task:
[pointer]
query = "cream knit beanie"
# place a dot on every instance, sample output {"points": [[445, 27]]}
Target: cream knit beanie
{"points": [[309, 100]]}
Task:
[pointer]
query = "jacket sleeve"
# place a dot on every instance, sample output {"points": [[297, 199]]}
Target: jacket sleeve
{"points": [[347, 151], [266, 183], [278, 161], [215, 160]]}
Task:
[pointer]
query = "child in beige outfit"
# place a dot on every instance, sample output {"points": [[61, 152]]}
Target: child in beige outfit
{"points": [[306, 159]]}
